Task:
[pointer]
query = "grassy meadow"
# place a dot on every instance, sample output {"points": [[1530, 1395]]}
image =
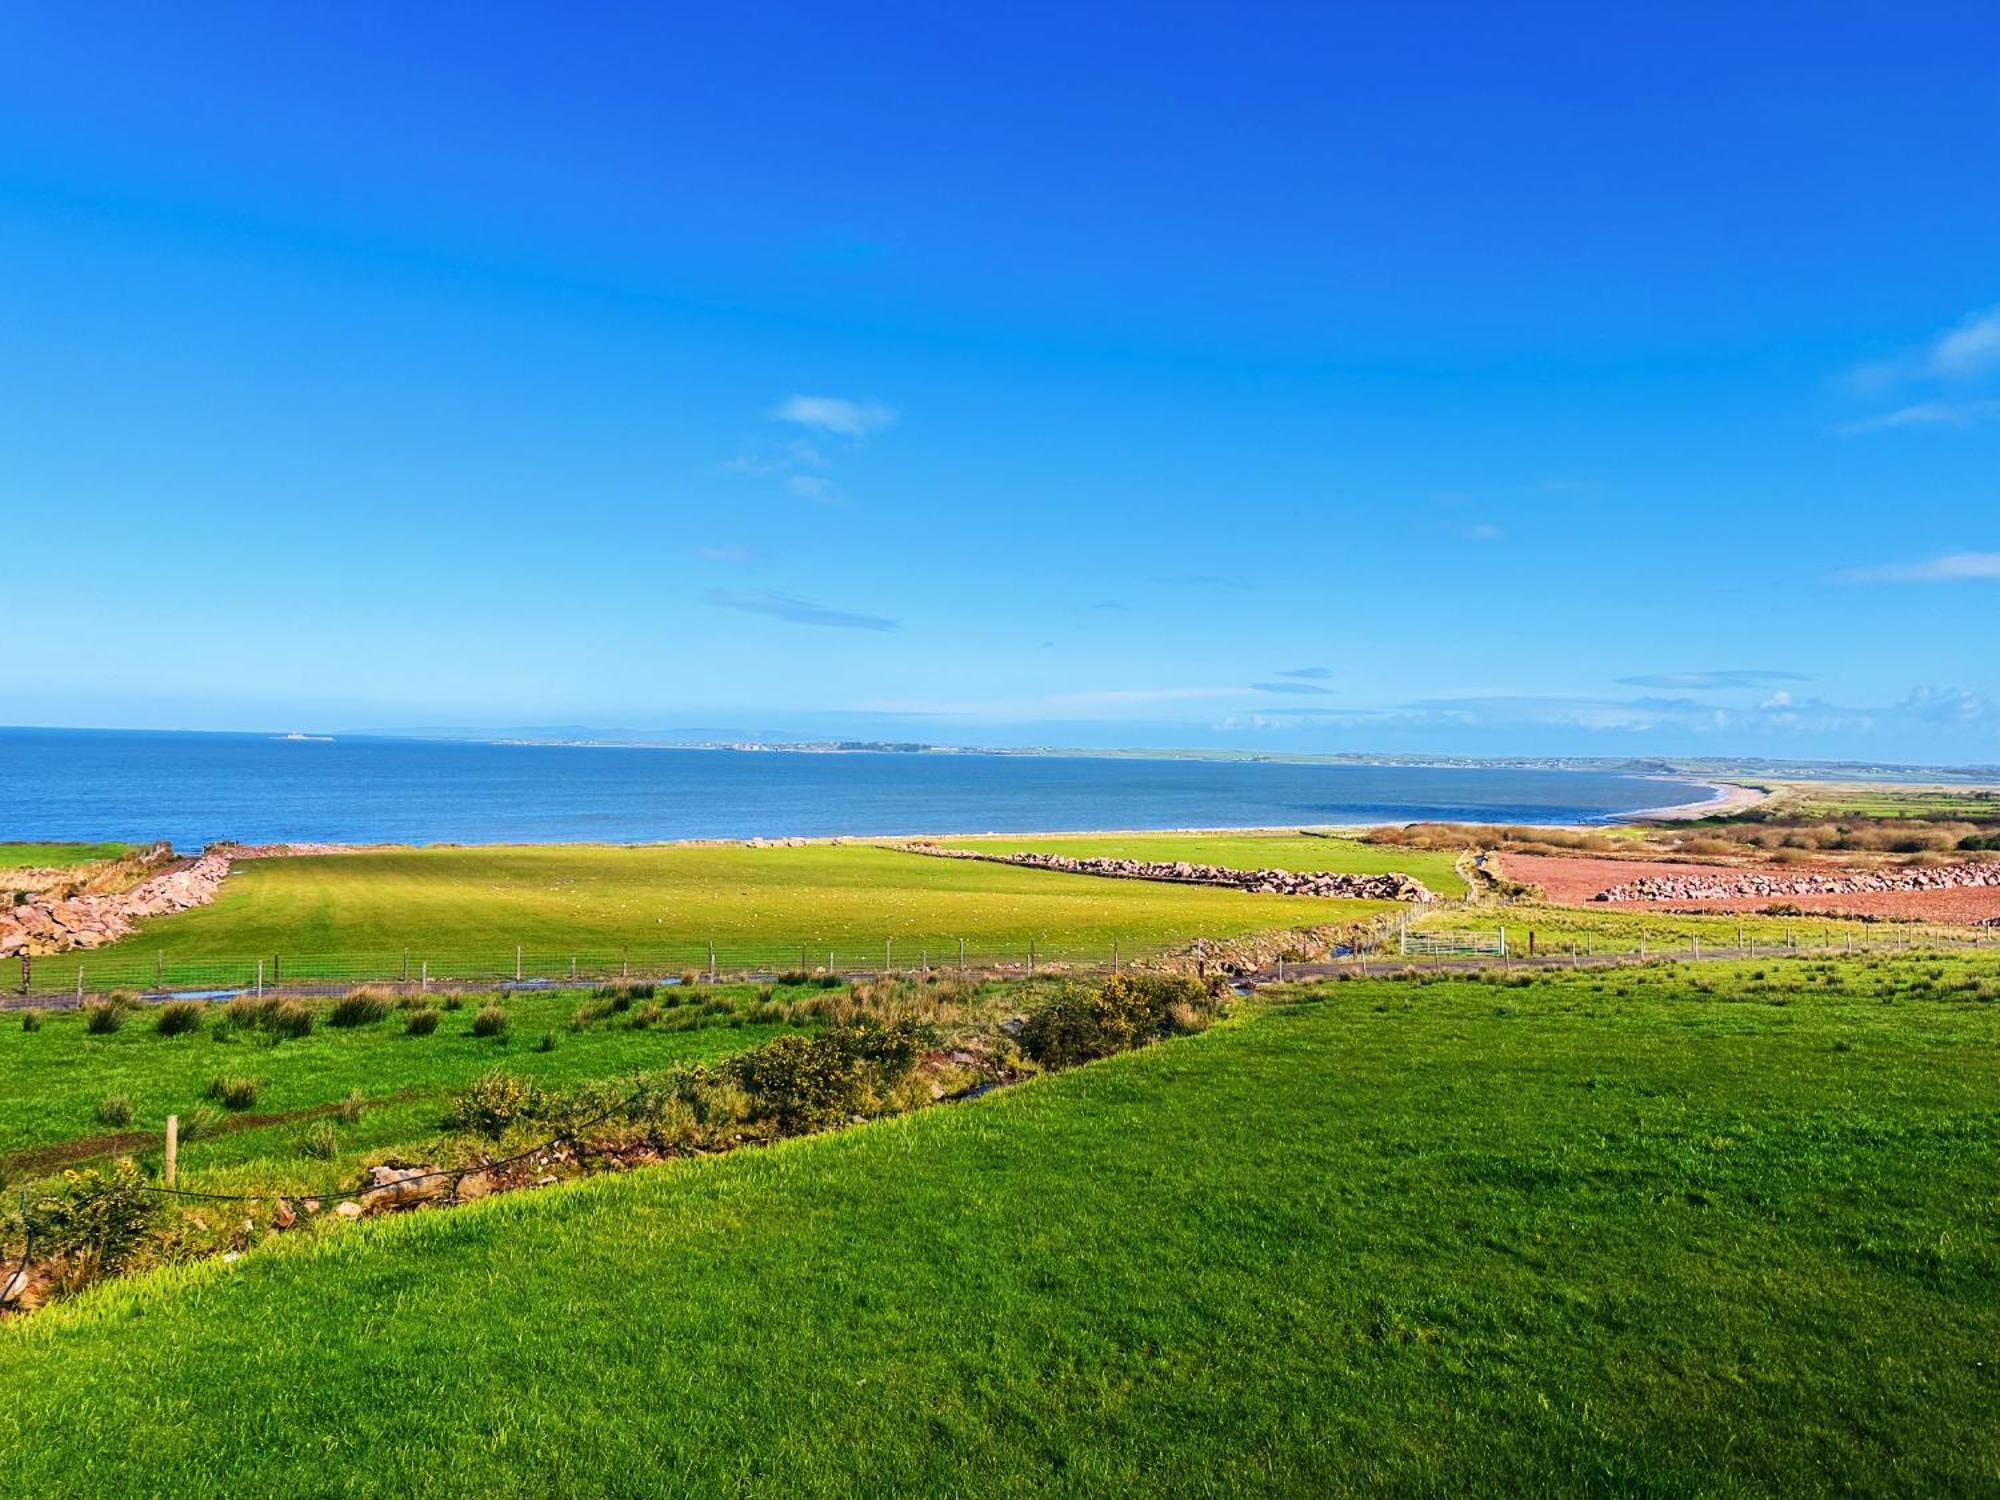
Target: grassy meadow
{"points": [[57, 856], [1663, 1231], [1243, 851], [472, 906], [57, 1076]]}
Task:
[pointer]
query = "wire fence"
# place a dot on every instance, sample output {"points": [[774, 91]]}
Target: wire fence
{"points": [[76, 977]]}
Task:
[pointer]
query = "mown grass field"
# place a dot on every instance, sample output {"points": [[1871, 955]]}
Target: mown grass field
{"points": [[1832, 799], [1662, 1232], [55, 1077], [56, 856], [1243, 851], [568, 899], [1615, 930]]}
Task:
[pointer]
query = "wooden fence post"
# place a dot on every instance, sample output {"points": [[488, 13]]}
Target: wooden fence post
{"points": [[171, 1165]]}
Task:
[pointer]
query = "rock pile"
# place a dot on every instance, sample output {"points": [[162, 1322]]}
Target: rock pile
{"points": [[1389, 887], [1722, 885], [56, 925]]}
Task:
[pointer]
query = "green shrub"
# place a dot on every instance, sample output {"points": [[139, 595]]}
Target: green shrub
{"points": [[802, 1083], [321, 1142], [103, 1018], [646, 1015], [494, 1101], [491, 1020], [1127, 1010], [233, 1093], [420, 1022], [31, 1019], [115, 1110], [547, 1043], [98, 1219], [178, 1017], [360, 1008]]}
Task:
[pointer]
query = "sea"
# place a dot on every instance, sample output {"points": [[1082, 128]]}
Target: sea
{"points": [[195, 789]]}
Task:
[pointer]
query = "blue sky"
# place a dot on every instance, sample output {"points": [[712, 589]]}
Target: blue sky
{"points": [[1450, 378]]}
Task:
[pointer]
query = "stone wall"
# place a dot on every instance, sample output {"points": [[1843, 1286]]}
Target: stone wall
{"points": [[1389, 887], [92, 919], [1723, 885]]}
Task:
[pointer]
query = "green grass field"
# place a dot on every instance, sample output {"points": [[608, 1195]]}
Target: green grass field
{"points": [[1613, 930], [465, 910], [55, 1077], [57, 856], [1649, 1232], [1244, 851], [1833, 799]]}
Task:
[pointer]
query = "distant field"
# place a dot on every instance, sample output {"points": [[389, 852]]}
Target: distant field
{"points": [[1248, 851], [57, 856], [1831, 799], [1622, 930], [1663, 1232], [442, 904]]}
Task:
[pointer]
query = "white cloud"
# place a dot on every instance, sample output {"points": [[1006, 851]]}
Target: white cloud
{"points": [[1955, 567], [835, 414], [1927, 414], [795, 611], [1972, 348], [814, 488]]}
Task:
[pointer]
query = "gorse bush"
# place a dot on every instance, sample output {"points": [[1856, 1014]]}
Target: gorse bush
{"points": [[494, 1101], [97, 1220], [1126, 1011], [802, 1083], [363, 1007], [178, 1017]]}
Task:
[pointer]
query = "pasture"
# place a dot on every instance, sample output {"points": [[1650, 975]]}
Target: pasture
{"points": [[465, 910], [1652, 1231]]}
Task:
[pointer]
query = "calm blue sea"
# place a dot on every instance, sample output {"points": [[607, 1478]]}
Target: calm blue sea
{"points": [[197, 788]]}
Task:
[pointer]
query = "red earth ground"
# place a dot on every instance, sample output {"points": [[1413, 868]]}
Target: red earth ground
{"points": [[1570, 880]]}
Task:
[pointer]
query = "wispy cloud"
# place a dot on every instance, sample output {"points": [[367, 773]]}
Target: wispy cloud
{"points": [[1927, 414], [814, 487], [1972, 348], [835, 414], [1736, 677], [1289, 687], [738, 555], [795, 611], [1311, 674], [1954, 567], [1481, 531]]}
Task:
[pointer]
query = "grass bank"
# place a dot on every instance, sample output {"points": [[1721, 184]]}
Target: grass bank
{"points": [[1641, 1232], [1243, 851]]}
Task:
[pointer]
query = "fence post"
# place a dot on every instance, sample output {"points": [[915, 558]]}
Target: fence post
{"points": [[1031, 958], [572, 968], [628, 962], [406, 966], [1697, 945], [961, 958], [260, 979], [79, 984], [829, 961], [711, 960], [159, 970], [887, 944], [424, 975], [1114, 960], [517, 963], [171, 1164]]}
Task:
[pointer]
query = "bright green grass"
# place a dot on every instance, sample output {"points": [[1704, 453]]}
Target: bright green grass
{"points": [[465, 910], [1833, 799], [1244, 851], [1615, 930], [54, 1078], [57, 856], [1606, 1234]]}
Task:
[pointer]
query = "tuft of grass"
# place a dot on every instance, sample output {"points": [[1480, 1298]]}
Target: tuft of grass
{"points": [[102, 1017], [115, 1110], [292, 1018], [178, 1017], [231, 1092], [491, 1020], [362, 1007], [31, 1019], [320, 1142]]}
